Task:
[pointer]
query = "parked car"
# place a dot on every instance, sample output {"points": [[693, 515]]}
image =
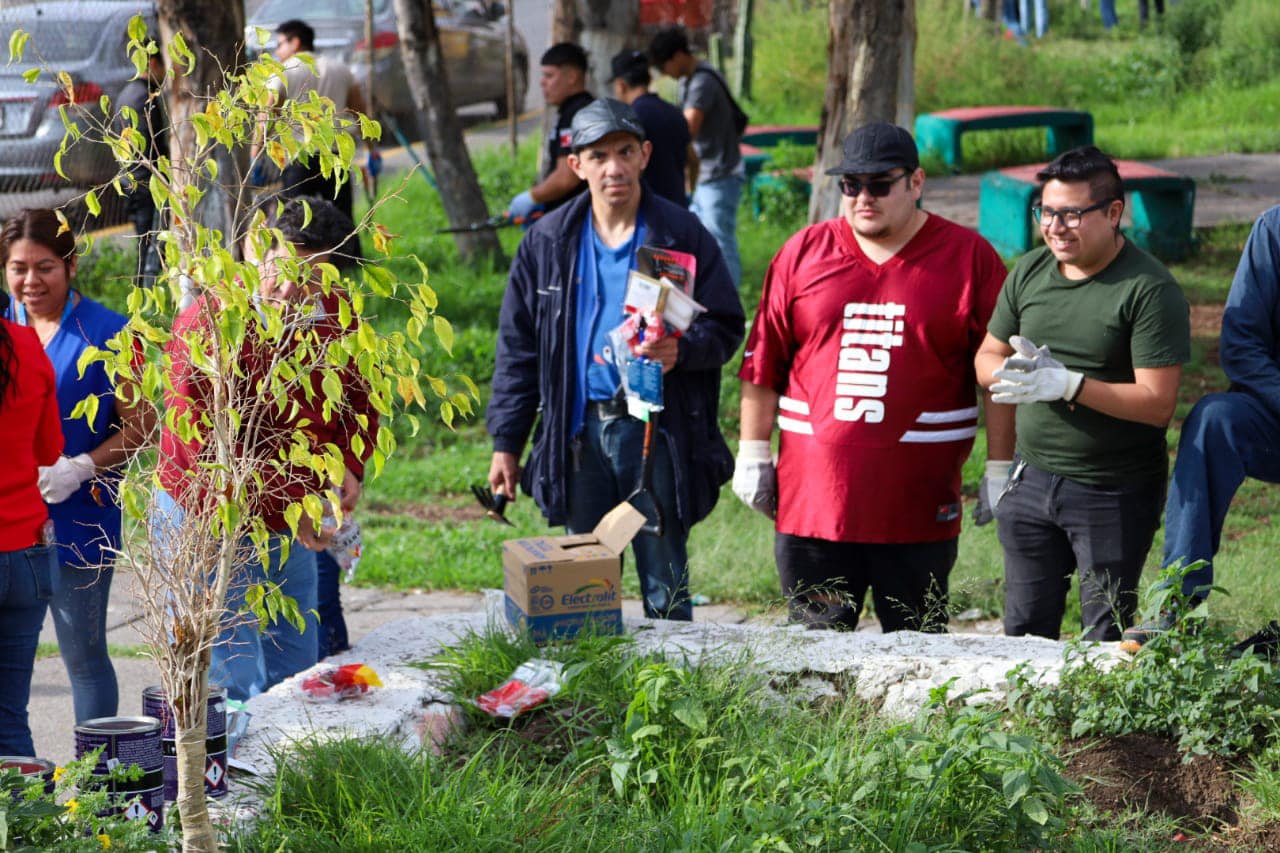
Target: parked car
{"points": [[87, 40], [472, 38]]}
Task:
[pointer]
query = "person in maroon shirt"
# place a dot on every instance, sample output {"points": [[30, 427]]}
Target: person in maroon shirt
{"points": [[245, 661], [31, 434]]}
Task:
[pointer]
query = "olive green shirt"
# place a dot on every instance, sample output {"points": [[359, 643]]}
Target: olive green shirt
{"points": [[1131, 314]]}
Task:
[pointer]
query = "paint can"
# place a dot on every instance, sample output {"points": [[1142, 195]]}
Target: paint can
{"points": [[127, 741], [215, 744], [31, 770]]}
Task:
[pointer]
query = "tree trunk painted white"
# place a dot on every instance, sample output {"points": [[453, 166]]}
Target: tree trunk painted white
{"points": [[608, 28]]}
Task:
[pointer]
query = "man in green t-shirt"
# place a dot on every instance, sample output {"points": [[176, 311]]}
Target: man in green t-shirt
{"points": [[1088, 339]]}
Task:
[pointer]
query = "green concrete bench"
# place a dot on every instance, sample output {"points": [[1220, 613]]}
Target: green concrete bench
{"points": [[767, 136], [1161, 205], [938, 134]]}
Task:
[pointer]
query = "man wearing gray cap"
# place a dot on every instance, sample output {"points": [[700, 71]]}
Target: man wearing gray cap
{"points": [[565, 293], [862, 351]]}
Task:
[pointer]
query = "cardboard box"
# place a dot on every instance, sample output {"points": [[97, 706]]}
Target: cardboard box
{"points": [[556, 584]]}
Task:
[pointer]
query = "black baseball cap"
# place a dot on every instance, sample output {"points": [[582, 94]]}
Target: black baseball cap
{"points": [[626, 63], [876, 148], [667, 44], [565, 53], [602, 117]]}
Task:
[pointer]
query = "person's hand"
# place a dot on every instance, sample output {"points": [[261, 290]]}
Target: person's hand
{"points": [[63, 478], [1033, 375], [374, 163], [755, 480], [523, 207], [351, 489], [311, 538], [504, 474], [990, 490], [665, 350]]}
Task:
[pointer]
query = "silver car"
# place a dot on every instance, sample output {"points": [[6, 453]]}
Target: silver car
{"points": [[87, 40], [472, 38]]}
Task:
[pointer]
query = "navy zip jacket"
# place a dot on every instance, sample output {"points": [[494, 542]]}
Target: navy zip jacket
{"points": [[534, 370]]}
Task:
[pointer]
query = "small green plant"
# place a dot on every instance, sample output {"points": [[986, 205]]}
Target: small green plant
{"points": [[78, 815]]}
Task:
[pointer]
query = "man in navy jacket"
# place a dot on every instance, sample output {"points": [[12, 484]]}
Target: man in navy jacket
{"points": [[1232, 435], [564, 295]]}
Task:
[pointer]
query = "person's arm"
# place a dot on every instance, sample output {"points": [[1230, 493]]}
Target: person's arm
{"points": [[1248, 339], [991, 354], [137, 421], [1149, 399], [691, 164], [556, 185], [694, 116], [758, 412], [1001, 433]]}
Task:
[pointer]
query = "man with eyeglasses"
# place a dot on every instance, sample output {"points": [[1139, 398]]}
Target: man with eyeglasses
{"points": [[1088, 340], [861, 350]]}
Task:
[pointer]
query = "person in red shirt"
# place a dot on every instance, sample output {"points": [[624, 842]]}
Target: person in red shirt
{"points": [[31, 434], [245, 661], [862, 350]]}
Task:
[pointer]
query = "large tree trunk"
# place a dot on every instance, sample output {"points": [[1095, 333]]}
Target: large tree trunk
{"points": [[869, 78], [214, 33], [442, 131], [609, 27]]}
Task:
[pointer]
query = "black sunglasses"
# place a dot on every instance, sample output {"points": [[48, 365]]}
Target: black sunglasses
{"points": [[878, 188]]}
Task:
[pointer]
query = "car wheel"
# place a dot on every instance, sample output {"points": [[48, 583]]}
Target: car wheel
{"points": [[522, 86]]}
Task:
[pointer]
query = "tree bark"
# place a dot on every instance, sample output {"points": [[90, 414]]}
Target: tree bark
{"points": [[869, 78], [441, 129], [214, 33], [609, 27]]}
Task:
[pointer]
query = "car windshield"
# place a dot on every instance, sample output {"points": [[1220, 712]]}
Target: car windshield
{"points": [[317, 10], [55, 42]]}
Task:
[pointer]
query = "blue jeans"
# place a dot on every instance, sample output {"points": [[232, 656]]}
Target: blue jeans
{"points": [[607, 470], [332, 635], [1226, 438], [1051, 527], [715, 203], [25, 589], [249, 658], [79, 608], [1108, 9]]}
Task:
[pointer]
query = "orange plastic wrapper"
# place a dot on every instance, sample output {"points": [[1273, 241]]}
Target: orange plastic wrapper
{"points": [[344, 682]]}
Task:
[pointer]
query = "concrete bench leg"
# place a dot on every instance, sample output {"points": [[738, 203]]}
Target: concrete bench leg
{"points": [[939, 138], [1004, 213], [1065, 137], [1162, 221]]}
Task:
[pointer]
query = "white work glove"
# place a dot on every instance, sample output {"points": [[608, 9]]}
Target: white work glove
{"points": [[63, 478], [755, 480], [1033, 375], [991, 489]]}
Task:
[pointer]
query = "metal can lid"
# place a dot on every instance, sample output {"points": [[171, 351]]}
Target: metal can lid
{"points": [[118, 725]]}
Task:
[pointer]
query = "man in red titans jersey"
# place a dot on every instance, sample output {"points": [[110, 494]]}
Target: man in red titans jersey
{"points": [[862, 351]]}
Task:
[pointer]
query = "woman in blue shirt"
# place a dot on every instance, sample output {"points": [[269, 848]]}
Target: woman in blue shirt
{"points": [[39, 265]]}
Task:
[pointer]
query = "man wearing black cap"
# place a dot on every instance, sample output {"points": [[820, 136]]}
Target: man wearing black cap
{"points": [[553, 365], [665, 126], [712, 117], [862, 352], [563, 81]]}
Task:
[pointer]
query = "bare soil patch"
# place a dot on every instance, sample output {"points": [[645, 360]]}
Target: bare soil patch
{"points": [[433, 513]]}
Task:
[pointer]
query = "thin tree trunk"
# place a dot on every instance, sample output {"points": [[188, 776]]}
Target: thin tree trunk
{"points": [[609, 27], [442, 131], [869, 59], [190, 712]]}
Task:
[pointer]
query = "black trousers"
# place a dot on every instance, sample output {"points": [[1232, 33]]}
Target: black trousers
{"points": [[826, 582], [1052, 527]]}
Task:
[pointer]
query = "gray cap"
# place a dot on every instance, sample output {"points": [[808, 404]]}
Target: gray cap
{"points": [[602, 117], [876, 148]]}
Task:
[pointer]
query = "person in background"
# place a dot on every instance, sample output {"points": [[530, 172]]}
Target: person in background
{"points": [[564, 86], [40, 265], [144, 97], [32, 438], [1088, 340], [665, 126], [1143, 11], [712, 116], [861, 353]]}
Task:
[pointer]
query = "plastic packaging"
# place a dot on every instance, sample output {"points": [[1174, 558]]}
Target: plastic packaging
{"points": [[534, 682], [344, 682], [347, 547]]}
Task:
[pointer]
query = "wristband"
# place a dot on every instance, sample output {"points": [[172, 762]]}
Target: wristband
{"points": [[755, 451], [1071, 398]]}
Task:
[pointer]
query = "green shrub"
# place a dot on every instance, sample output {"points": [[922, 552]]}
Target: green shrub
{"points": [[1248, 47]]}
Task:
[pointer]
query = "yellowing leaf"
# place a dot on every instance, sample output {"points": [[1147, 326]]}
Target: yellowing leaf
{"points": [[444, 332], [17, 44]]}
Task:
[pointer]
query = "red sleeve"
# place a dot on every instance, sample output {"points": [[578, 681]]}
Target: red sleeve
{"points": [[766, 359]]}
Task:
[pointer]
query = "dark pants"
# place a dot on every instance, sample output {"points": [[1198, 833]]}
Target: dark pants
{"points": [[299, 179], [1226, 438], [25, 588], [826, 582], [1050, 527], [141, 210], [607, 470], [332, 635]]}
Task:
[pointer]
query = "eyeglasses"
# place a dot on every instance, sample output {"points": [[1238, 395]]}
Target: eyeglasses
{"points": [[879, 188], [1069, 216]]}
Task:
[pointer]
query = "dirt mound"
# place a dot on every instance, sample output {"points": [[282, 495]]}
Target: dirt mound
{"points": [[1148, 773]]}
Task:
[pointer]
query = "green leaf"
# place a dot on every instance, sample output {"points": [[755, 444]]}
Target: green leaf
{"points": [[689, 711], [91, 202], [31, 75], [444, 331], [17, 44], [1035, 810], [651, 730]]}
